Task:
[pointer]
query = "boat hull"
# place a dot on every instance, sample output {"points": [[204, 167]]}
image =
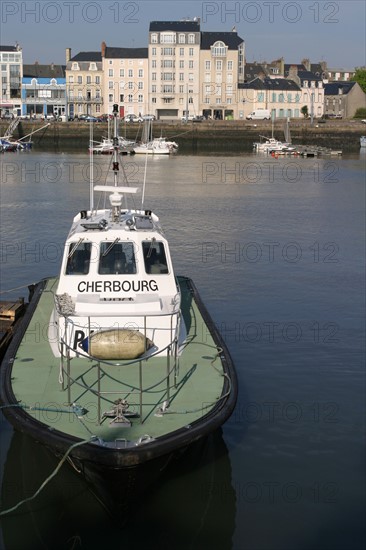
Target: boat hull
{"points": [[118, 472]]}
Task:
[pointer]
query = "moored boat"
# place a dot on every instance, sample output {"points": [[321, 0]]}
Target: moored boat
{"points": [[106, 146], [128, 370]]}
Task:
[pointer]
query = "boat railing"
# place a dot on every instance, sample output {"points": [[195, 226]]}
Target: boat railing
{"points": [[168, 353]]}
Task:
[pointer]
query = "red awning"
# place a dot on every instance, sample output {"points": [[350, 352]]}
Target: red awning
{"points": [[6, 106]]}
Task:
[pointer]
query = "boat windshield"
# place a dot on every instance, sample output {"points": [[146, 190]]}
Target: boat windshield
{"points": [[116, 258], [78, 260], [154, 257]]}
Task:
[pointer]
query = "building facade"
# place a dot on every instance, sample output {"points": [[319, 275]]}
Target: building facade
{"points": [[312, 89], [174, 74], [126, 80], [222, 57], [11, 63], [342, 99], [84, 84], [282, 97], [44, 91]]}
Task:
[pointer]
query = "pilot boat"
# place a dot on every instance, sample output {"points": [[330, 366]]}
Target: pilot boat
{"points": [[117, 366]]}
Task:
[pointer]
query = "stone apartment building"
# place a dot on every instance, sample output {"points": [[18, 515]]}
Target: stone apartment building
{"points": [[174, 68], [342, 99], [222, 57], [84, 83], [126, 79]]}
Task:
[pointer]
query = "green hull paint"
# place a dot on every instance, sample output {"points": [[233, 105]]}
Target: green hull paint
{"points": [[201, 385]]}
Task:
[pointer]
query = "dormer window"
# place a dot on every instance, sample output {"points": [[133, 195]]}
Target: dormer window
{"points": [[182, 39], [75, 67], [93, 67], [305, 84], [34, 82], [191, 39], [154, 39], [167, 38], [219, 49], [53, 82]]}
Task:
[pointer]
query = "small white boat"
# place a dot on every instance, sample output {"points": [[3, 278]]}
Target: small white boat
{"points": [[106, 147], [158, 146], [271, 144]]}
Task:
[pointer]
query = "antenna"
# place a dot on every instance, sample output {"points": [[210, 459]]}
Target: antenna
{"points": [[91, 183]]}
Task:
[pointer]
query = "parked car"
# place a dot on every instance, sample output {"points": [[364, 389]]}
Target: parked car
{"points": [[187, 118], [132, 118], [90, 118], [148, 117], [198, 118]]}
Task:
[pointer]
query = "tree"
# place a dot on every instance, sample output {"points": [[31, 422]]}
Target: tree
{"points": [[304, 111], [360, 113], [360, 78]]}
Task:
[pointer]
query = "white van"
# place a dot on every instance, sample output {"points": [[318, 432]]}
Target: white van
{"points": [[260, 114]]}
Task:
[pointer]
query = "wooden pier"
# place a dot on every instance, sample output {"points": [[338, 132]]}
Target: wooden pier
{"points": [[10, 313]]}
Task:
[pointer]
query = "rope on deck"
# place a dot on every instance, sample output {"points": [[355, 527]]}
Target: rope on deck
{"points": [[163, 411]]}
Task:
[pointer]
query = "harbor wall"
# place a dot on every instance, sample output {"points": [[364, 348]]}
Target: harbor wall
{"points": [[206, 136]]}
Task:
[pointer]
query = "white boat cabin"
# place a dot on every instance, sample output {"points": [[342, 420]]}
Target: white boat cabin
{"points": [[116, 275]]}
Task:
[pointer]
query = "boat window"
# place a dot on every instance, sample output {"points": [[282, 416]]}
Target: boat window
{"points": [[78, 260], [154, 257], [116, 258]]}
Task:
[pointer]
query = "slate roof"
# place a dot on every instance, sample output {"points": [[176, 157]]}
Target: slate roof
{"points": [[176, 26], [231, 39], [300, 67], [308, 75], [332, 88], [87, 56], [9, 49], [252, 71], [270, 84], [44, 71], [126, 53]]}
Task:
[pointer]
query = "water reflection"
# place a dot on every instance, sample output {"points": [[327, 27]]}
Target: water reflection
{"points": [[192, 506]]}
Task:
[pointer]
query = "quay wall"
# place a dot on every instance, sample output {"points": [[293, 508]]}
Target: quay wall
{"points": [[206, 136]]}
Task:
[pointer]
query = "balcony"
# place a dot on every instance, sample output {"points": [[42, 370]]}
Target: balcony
{"points": [[86, 100]]}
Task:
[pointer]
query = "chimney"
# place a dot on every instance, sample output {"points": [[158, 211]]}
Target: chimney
{"points": [[306, 63], [68, 55], [103, 47]]}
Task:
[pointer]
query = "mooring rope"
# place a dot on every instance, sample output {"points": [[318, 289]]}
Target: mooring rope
{"points": [[13, 289], [48, 479]]}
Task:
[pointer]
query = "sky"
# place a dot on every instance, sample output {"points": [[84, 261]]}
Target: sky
{"points": [[334, 32]]}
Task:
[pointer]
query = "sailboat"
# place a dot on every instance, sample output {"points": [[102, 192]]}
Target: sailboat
{"points": [[132, 372], [154, 146]]}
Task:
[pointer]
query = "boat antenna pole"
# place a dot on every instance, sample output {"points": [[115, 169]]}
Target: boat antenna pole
{"points": [[91, 183], [144, 185], [115, 167], [115, 145]]}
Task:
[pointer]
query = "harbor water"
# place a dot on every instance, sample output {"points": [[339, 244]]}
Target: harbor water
{"points": [[276, 248]]}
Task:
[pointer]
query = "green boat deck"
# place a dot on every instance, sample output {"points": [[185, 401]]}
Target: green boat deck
{"points": [[194, 392]]}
